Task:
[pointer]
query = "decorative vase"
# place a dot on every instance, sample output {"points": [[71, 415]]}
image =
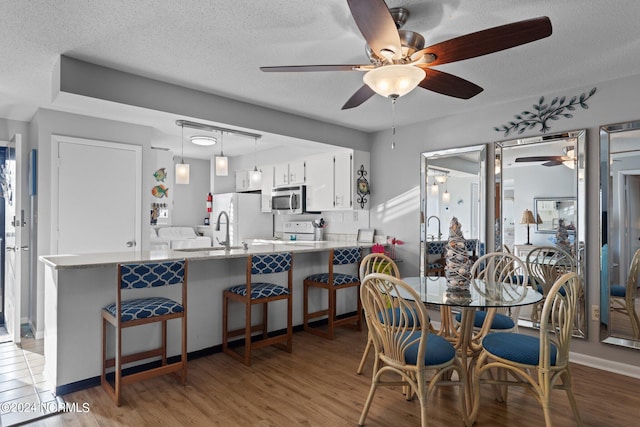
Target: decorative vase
{"points": [[457, 269]]}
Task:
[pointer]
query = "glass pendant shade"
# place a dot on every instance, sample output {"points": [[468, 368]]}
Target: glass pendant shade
{"points": [[222, 165], [394, 80], [182, 169], [182, 173], [434, 189], [446, 197], [255, 176]]}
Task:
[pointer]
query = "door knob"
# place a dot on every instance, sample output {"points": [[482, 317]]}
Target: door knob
{"points": [[131, 243]]}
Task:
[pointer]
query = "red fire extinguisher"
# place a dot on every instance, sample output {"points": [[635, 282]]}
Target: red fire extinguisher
{"points": [[209, 202]]}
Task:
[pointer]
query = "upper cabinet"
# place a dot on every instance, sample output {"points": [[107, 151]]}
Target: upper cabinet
{"points": [[332, 181], [244, 182], [289, 173]]}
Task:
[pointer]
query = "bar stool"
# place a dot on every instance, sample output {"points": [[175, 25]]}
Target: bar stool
{"points": [[333, 282], [253, 293], [141, 311]]}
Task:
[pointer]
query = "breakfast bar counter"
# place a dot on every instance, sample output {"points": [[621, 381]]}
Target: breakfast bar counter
{"points": [[78, 286]]}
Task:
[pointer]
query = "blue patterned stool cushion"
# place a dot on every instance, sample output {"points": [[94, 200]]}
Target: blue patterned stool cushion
{"points": [[143, 308], [260, 290], [151, 275], [434, 265], [338, 278], [435, 248], [516, 347], [618, 291], [500, 321], [438, 351], [271, 263], [345, 256]]}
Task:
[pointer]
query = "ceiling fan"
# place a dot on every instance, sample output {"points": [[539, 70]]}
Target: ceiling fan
{"points": [[400, 62], [568, 159]]}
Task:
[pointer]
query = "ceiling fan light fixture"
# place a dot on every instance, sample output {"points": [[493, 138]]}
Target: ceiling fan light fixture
{"points": [[204, 140], [394, 80]]}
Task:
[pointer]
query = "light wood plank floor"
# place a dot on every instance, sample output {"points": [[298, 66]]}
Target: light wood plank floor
{"points": [[316, 385]]}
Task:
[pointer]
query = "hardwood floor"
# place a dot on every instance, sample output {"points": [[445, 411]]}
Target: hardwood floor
{"points": [[317, 385]]}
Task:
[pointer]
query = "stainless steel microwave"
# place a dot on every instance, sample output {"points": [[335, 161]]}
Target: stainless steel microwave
{"points": [[289, 200]]}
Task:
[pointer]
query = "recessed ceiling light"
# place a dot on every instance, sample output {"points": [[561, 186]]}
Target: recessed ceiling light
{"points": [[203, 140]]}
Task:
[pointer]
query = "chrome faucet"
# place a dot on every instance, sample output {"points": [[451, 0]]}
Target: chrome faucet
{"points": [[439, 232], [227, 240]]}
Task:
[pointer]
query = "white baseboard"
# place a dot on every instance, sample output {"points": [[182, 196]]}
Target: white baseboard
{"points": [[605, 365]]}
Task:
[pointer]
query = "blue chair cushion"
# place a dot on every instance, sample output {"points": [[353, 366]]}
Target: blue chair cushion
{"points": [[618, 291], [518, 348], [438, 351], [338, 278], [500, 321], [396, 315], [562, 291], [260, 290], [143, 308]]}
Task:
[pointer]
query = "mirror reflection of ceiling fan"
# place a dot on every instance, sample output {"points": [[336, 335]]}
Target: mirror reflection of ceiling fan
{"points": [[400, 62], [568, 159]]}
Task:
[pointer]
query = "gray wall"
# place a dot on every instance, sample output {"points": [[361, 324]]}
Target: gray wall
{"points": [[396, 177]]}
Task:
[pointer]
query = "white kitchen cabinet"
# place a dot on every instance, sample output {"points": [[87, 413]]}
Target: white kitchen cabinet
{"points": [[290, 173], [343, 180], [320, 183], [266, 185], [332, 180], [245, 183], [297, 173]]}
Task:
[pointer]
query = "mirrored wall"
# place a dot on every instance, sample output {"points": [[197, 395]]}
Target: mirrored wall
{"points": [[620, 233], [540, 208], [453, 184]]}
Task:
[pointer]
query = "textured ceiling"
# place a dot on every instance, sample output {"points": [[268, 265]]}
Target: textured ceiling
{"points": [[218, 47]]}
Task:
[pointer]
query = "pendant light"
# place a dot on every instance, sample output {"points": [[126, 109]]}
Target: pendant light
{"points": [[182, 169], [222, 162], [255, 176], [446, 197], [434, 187]]}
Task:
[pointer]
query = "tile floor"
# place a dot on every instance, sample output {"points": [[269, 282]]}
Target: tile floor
{"points": [[25, 394]]}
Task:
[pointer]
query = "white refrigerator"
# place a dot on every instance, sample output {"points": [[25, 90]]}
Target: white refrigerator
{"points": [[246, 219]]}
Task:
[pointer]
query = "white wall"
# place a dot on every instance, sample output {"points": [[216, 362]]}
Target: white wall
{"points": [[189, 201], [398, 173]]}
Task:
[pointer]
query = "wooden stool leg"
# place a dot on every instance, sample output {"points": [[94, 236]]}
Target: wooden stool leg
{"points": [[290, 324], [305, 313], [184, 350], [265, 318], [118, 365], [164, 342], [332, 310]]}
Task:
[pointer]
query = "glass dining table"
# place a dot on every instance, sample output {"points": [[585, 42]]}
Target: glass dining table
{"points": [[482, 294]]}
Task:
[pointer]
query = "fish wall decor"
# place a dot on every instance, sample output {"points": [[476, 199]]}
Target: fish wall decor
{"points": [[160, 191], [160, 174]]}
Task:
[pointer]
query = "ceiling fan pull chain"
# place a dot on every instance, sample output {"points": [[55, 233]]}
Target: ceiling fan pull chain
{"points": [[393, 121]]}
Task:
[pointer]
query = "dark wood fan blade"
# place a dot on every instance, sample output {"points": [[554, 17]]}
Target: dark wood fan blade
{"points": [[448, 84], [361, 95], [296, 68], [559, 159], [488, 41], [376, 25]]}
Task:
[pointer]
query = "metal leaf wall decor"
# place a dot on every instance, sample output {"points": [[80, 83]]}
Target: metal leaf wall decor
{"points": [[543, 112]]}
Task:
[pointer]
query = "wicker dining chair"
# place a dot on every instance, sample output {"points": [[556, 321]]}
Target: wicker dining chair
{"points": [[499, 267], [399, 326], [622, 298], [375, 263], [539, 364], [545, 264]]}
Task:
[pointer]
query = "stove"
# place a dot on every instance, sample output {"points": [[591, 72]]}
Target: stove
{"points": [[298, 230]]}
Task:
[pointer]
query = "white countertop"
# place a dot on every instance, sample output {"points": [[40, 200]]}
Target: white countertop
{"points": [[61, 262]]}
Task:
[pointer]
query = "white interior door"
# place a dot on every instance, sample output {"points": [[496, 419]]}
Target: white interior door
{"points": [[14, 225], [99, 196]]}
